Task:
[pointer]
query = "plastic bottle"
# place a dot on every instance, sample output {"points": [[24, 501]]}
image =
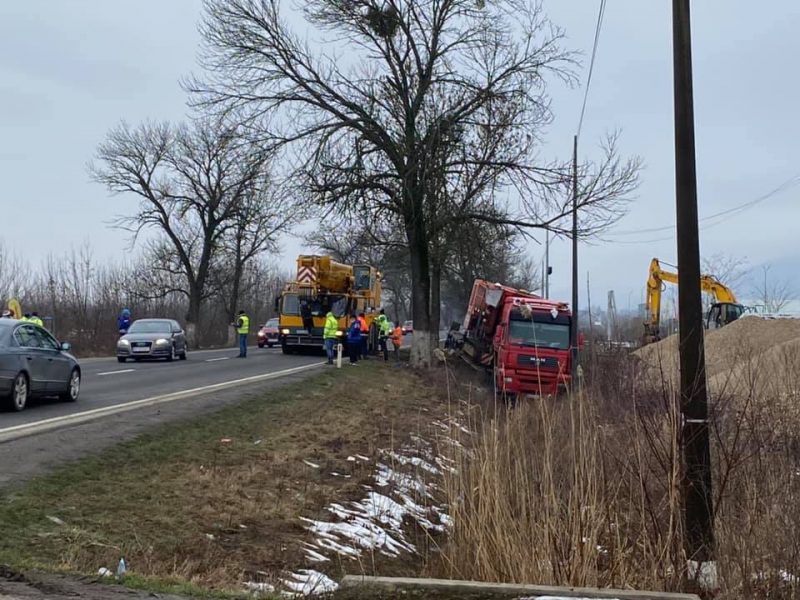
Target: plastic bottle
{"points": [[121, 568]]}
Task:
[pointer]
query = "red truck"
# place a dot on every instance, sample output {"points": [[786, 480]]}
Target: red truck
{"points": [[523, 338]]}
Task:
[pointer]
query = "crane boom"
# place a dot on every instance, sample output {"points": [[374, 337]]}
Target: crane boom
{"points": [[723, 311]]}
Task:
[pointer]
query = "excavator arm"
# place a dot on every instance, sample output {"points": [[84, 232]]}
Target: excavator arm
{"points": [[723, 311], [655, 286]]}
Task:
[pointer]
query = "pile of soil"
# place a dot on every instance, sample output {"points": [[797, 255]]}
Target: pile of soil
{"points": [[752, 354]]}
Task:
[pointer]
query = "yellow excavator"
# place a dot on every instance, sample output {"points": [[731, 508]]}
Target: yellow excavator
{"points": [[725, 310]]}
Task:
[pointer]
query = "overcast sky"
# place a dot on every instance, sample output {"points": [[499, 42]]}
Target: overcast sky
{"points": [[71, 69]]}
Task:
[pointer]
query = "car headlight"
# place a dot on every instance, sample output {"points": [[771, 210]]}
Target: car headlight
{"points": [[285, 331], [123, 343], [339, 333], [261, 334], [161, 342]]}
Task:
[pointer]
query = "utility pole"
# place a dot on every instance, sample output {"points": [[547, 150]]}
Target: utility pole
{"points": [[575, 320], [698, 500]]}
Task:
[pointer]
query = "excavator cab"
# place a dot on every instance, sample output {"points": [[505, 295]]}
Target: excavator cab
{"points": [[722, 313]]}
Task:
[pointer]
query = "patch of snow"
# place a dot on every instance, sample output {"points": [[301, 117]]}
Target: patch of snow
{"points": [[210, 536], [311, 464], [413, 460], [351, 459], [306, 582], [362, 457], [315, 556], [103, 572], [385, 476], [55, 520], [705, 573], [259, 587]]}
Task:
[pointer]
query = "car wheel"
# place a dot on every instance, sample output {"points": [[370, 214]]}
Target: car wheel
{"points": [[121, 359], [182, 355], [260, 345], [171, 356], [74, 389], [270, 345], [19, 393]]}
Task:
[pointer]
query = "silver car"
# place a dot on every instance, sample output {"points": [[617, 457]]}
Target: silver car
{"points": [[152, 338], [34, 364]]}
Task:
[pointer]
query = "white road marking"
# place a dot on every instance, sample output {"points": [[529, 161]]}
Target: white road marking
{"points": [[116, 372], [216, 359], [9, 434]]}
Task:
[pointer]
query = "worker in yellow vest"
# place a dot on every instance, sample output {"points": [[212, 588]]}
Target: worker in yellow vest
{"points": [[243, 329]]}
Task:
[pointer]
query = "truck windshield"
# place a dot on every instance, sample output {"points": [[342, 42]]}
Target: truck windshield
{"points": [[290, 304], [314, 307], [543, 335]]}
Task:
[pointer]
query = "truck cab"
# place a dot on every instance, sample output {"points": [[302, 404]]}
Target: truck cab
{"points": [[532, 349], [523, 339]]}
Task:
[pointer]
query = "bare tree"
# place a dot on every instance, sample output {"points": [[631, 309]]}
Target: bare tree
{"points": [[442, 93], [11, 270], [194, 182], [774, 296], [727, 268], [265, 213]]}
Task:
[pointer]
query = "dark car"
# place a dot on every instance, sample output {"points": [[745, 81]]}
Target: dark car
{"points": [[408, 327], [152, 338], [34, 364], [268, 334]]}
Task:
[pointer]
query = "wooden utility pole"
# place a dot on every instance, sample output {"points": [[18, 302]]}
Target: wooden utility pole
{"points": [[698, 502], [575, 320]]}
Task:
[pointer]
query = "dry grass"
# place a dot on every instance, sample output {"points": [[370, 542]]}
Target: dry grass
{"points": [[585, 490], [184, 503]]}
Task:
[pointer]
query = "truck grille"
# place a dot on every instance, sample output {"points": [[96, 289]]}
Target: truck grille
{"points": [[545, 362]]}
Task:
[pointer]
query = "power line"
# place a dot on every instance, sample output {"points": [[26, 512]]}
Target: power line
{"points": [[597, 29], [717, 218]]}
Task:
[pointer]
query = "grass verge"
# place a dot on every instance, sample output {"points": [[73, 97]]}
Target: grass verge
{"points": [[216, 501]]}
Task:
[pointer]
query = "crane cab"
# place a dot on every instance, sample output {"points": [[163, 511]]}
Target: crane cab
{"points": [[722, 313]]}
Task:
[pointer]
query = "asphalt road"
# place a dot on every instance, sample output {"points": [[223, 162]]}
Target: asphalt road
{"points": [[120, 401], [107, 383]]}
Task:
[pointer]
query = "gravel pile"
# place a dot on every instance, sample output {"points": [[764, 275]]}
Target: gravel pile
{"points": [[749, 354]]}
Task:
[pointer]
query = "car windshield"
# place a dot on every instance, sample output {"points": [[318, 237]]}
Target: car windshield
{"points": [[543, 335], [150, 327], [408, 323], [272, 323]]}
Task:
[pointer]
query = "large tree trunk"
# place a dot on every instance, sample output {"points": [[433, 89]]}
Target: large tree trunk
{"points": [[192, 319], [436, 301], [233, 306], [421, 347]]}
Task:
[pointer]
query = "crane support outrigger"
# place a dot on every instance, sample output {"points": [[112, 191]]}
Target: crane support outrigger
{"points": [[725, 310]]}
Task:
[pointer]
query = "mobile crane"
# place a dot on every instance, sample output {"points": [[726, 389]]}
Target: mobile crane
{"points": [[323, 285], [725, 310]]}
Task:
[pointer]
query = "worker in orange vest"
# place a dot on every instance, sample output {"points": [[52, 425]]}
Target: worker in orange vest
{"points": [[397, 340], [362, 320]]}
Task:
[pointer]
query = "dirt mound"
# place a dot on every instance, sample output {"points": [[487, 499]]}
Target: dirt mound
{"points": [[749, 351]]}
